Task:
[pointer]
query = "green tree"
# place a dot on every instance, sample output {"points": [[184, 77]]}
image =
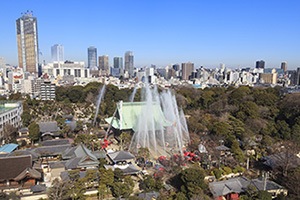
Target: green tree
{"points": [[106, 177], [227, 170], [61, 93], [150, 184], [101, 191], [34, 131], [78, 187], [118, 189], [249, 109], [26, 118], [217, 173], [144, 153], [193, 181], [75, 93], [263, 195], [283, 129], [125, 138], [79, 127], [65, 130], [238, 153], [181, 196], [221, 128], [102, 162], [118, 175], [236, 96], [91, 178]]}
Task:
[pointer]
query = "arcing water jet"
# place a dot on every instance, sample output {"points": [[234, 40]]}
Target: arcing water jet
{"points": [[101, 94]]}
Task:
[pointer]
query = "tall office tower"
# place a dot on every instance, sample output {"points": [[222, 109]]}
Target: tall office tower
{"points": [[260, 64], [104, 62], [284, 66], [27, 39], [118, 62], [57, 53], [187, 69], [129, 63], [92, 57], [176, 67]]}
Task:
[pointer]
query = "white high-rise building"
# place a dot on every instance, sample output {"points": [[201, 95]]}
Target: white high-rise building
{"points": [[57, 53]]}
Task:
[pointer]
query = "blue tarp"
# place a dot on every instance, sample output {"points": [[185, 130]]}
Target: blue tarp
{"points": [[8, 148]]}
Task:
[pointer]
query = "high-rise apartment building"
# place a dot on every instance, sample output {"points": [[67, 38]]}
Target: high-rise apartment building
{"points": [[104, 62], [118, 62], [129, 63], [187, 69], [92, 57], [57, 53], [260, 64], [284, 66], [27, 39]]}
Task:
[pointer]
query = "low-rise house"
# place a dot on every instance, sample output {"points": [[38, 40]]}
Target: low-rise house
{"points": [[18, 172], [232, 188], [23, 136], [223, 150]]}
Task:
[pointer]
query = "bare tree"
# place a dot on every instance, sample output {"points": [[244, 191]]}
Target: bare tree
{"points": [[8, 132], [285, 157], [59, 190]]}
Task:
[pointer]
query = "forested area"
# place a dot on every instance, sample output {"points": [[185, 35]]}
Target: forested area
{"points": [[240, 117]]}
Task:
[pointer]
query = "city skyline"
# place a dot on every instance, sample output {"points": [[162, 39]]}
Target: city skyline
{"points": [[161, 33]]}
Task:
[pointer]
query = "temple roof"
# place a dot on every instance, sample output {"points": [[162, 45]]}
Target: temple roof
{"points": [[14, 168], [80, 157], [131, 111], [120, 156]]}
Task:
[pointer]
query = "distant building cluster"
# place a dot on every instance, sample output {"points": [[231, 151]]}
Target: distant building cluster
{"points": [[39, 79]]}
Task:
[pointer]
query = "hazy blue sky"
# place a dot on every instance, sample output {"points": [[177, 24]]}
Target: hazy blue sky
{"points": [[161, 31]]}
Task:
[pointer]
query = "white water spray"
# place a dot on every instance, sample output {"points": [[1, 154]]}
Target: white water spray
{"points": [[101, 94], [161, 126], [131, 98]]}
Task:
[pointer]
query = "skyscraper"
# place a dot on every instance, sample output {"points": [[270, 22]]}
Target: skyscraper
{"points": [[118, 62], [187, 69], [27, 39], [104, 62], [260, 64], [92, 57], [129, 63], [284, 66], [57, 53], [176, 67]]}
